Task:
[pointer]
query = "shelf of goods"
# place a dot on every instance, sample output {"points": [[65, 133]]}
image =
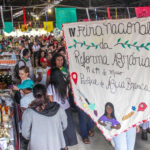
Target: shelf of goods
{"points": [[9, 133], [8, 127]]}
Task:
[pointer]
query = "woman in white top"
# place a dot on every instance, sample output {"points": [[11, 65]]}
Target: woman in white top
{"points": [[58, 92], [35, 49]]}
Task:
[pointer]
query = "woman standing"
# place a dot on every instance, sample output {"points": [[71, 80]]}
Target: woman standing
{"points": [[43, 123], [58, 92]]}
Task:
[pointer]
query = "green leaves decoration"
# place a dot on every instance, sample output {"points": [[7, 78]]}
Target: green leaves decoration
{"points": [[129, 46], [70, 47], [137, 48], [134, 43], [93, 44], [88, 47], [126, 43], [83, 44], [142, 45], [119, 40], [75, 41], [123, 45], [147, 44]]}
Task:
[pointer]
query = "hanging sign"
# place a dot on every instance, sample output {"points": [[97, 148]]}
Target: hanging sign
{"points": [[109, 65]]}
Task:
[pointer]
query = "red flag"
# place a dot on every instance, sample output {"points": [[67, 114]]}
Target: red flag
{"points": [[142, 11], [108, 12], [24, 16]]}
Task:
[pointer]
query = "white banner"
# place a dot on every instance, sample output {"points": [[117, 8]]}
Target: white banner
{"points": [[109, 63]]}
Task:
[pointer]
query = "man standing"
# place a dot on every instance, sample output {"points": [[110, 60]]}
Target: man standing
{"points": [[27, 61]]}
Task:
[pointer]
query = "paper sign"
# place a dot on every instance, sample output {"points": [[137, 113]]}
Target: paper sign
{"points": [[109, 65]]}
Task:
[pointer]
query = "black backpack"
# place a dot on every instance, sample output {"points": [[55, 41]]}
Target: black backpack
{"points": [[16, 69]]}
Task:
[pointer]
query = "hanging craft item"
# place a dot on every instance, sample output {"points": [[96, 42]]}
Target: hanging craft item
{"points": [[48, 26], [12, 17], [2, 17], [108, 13], [87, 12], [46, 18], [116, 13], [24, 16], [128, 12], [65, 15], [96, 13], [19, 26]]}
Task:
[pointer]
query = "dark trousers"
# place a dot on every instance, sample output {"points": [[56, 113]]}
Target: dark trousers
{"points": [[85, 123]]}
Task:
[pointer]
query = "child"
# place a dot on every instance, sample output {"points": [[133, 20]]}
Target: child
{"points": [[108, 119]]}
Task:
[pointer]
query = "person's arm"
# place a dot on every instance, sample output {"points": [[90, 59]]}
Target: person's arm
{"points": [[23, 109], [118, 126], [137, 129], [26, 124], [63, 118], [47, 80], [101, 123], [50, 93]]}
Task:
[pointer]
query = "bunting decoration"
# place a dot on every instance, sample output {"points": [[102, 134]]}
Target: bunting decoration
{"points": [[12, 17], [116, 13], [2, 17], [24, 16], [87, 12], [108, 13]]}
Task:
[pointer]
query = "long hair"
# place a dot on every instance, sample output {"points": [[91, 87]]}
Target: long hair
{"points": [[53, 60], [113, 111], [39, 92], [60, 83]]}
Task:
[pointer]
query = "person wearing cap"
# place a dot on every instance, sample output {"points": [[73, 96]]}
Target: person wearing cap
{"points": [[41, 75], [28, 97]]}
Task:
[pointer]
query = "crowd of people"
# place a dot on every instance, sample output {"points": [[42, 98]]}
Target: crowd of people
{"points": [[46, 99]]}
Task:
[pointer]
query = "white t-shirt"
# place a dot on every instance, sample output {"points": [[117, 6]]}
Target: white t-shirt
{"points": [[43, 73], [51, 92], [26, 100], [36, 48]]}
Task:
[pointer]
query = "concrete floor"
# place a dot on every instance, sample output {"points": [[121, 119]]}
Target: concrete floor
{"points": [[98, 142]]}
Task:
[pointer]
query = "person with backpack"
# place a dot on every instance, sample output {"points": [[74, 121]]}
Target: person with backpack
{"points": [[26, 61]]}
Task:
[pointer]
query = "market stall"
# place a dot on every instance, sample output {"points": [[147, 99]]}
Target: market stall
{"points": [[8, 108]]}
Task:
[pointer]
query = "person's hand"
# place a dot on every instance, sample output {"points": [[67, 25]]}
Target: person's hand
{"points": [[103, 124], [15, 88]]}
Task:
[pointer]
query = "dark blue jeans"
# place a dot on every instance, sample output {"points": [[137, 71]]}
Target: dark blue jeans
{"points": [[85, 123]]}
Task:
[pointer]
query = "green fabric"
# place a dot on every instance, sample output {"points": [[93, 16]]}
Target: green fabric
{"points": [[65, 15], [8, 27]]}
